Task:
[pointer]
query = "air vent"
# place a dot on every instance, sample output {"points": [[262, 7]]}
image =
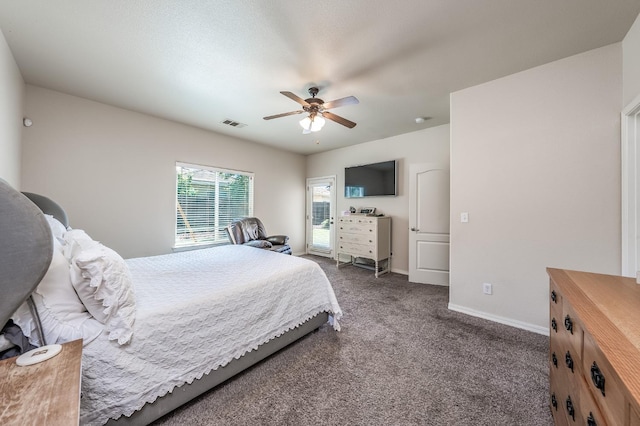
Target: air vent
{"points": [[233, 123]]}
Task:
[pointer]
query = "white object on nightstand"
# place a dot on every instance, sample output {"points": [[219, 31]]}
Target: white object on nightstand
{"points": [[37, 355]]}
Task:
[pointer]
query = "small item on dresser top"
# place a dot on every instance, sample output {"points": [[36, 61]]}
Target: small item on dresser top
{"points": [[368, 210], [37, 355]]}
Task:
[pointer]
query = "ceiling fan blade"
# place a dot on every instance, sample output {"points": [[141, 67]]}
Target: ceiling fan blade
{"points": [[295, 98], [338, 119], [284, 114], [349, 100]]}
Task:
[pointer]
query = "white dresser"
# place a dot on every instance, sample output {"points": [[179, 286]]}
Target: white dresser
{"points": [[366, 237]]}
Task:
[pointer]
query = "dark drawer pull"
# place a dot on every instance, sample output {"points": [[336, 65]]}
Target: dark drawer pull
{"points": [[591, 421], [554, 296], [554, 359], [568, 324], [554, 325], [570, 410], [569, 361], [597, 377], [554, 401]]}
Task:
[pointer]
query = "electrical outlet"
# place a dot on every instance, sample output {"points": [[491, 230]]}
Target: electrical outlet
{"points": [[487, 288], [464, 217]]}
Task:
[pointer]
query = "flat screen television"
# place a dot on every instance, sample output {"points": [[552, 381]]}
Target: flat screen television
{"points": [[371, 180]]}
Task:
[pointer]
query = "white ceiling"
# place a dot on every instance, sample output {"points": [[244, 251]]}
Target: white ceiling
{"points": [[200, 62]]}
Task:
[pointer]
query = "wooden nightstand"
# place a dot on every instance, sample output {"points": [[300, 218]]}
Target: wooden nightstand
{"points": [[47, 393]]}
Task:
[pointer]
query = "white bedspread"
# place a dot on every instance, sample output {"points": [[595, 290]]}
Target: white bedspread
{"points": [[197, 311]]}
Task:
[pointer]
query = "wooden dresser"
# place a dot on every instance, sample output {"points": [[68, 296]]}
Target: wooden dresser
{"points": [[594, 356], [47, 393], [367, 237]]}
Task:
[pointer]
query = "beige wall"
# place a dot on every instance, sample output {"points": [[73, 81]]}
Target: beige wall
{"points": [[536, 163], [114, 171], [428, 145], [631, 63], [12, 88]]}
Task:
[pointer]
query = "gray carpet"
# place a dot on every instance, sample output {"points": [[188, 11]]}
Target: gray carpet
{"points": [[401, 358]]}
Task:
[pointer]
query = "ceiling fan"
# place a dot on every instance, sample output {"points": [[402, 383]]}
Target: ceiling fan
{"points": [[317, 108]]}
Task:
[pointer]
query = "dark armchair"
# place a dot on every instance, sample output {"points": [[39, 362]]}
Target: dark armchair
{"points": [[250, 231]]}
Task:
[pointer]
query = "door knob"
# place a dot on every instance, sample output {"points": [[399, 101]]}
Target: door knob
{"points": [[414, 229]]}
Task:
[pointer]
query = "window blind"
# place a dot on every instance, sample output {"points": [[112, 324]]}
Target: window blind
{"points": [[207, 200]]}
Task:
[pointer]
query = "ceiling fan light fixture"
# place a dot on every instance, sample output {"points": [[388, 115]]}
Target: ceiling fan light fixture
{"points": [[310, 124], [305, 123], [317, 123]]}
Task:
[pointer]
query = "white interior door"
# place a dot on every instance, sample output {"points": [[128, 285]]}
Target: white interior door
{"points": [[321, 202], [429, 224]]}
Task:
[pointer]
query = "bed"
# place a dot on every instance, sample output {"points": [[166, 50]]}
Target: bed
{"points": [[187, 322]]}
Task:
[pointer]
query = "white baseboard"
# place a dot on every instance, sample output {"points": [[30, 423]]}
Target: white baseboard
{"points": [[502, 320]]}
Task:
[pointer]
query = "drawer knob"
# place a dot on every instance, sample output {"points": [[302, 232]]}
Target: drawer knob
{"points": [[554, 325], [554, 401], [570, 410], [569, 361], [554, 359], [554, 296], [591, 421], [568, 324], [597, 377]]}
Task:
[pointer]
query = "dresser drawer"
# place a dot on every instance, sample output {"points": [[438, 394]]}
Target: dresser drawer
{"points": [[589, 411], [573, 330], [357, 228], [597, 372], [353, 249], [564, 369], [357, 238], [357, 219], [555, 358], [557, 408], [570, 408], [555, 301]]}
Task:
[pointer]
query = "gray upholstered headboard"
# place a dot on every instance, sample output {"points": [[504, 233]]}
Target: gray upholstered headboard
{"points": [[26, 249], [48, 206]]}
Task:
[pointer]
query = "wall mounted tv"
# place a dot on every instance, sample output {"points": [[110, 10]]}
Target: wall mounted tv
{"points": [[371, 180]]}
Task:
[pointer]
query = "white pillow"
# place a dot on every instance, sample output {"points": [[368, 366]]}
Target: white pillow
{"points": [[75, 241], [57, 228], [62, 314], [103, 282]]}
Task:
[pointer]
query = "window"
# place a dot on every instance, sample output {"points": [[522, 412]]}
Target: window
{"points": [[207, 200]]}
